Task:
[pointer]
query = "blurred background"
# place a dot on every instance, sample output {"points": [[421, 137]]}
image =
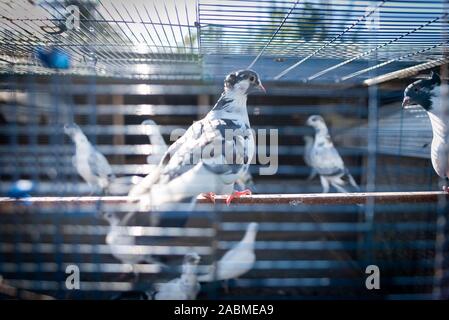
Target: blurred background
{"points": [[109, 65]]}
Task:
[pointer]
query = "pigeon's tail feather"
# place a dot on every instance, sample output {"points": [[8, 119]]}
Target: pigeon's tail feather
{"points": [[145, 185], [353, 183], [339, 187], [347, 179], [312, 175], [205, 278]]}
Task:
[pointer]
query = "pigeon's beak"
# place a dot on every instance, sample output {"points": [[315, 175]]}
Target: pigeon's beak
{"points": [[407, 102], [261, 88]]}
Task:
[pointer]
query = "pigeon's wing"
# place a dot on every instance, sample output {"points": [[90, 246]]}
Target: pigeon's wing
{"points": [[99, 165], [326, 160], [203, 143], [208, 143], [307, 153]]}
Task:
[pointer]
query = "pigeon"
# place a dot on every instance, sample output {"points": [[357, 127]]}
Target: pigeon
{"points": [[427, 94], [235, 262], [159, 148], [158, 145], [211, 155], [186, 287], [307, 150], [119, 240], [326, 160], [91, 165]]}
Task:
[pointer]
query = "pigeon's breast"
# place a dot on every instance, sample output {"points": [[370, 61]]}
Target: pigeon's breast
{"points": [[440, 145], [440, 156]]}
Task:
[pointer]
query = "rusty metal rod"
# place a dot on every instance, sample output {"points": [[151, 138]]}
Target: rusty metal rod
{"points": [[289, 199]]}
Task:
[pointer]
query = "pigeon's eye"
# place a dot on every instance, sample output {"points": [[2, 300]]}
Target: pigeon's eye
{"points": [[252, 78]]}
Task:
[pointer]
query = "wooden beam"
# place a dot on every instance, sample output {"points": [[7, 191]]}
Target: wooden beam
{"points": [[6, 204]]}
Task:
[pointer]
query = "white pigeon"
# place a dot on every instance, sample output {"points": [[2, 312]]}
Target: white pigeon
{"points": [[326, 160], [119, 241], [212, 154], [427, 93], [307, 151], [186, 287], [235, 262], [158, 145], [91, 165]]}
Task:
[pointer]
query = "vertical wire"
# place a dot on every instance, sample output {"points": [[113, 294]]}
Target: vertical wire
{"points": [[180, 29], [156, 32], [54, 88], [146, 29], [198, 24], [273, 35], [18, 256], [354, 24], [163, 29], [188, 28], [441, 277], [171, 26], [372, 153]]}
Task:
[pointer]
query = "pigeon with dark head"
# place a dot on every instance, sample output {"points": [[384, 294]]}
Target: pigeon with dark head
{"points": [[428, 94], [212, 154], [326, 160]]}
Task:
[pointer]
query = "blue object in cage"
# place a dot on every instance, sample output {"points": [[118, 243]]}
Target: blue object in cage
{"points": [[21, 189], [53, 58]]}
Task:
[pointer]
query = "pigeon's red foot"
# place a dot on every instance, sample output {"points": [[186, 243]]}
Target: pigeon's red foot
{"points": [[237, 194], [210, 196]]}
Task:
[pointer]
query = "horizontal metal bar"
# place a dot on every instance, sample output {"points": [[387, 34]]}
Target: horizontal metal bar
{"points": [[272, 265]]}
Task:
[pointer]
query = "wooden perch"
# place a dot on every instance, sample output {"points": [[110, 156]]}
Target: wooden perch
{"points": [[8, 204], [21, 294]]}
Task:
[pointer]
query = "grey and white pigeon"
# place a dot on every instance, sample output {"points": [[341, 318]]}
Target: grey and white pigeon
{"points": [[235, 262], [158, 145], [122, 243], [326, 160], [427, 93], [308, 140], [91, 165], [186, 287], [212, 154]]}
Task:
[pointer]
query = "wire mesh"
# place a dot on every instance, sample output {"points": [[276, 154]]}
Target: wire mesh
{"points": [[130, 61]]}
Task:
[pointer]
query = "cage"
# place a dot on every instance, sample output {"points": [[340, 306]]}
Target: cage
{"points": [[108, 66]]}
